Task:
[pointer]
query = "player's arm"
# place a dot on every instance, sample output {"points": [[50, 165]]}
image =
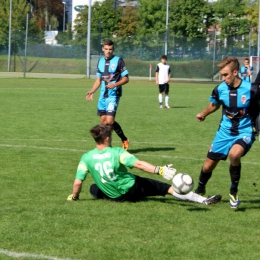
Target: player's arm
{"points": [[169, 77], [211, 108], [249, 71], [93, 89], [166, 171], [121, 82]]}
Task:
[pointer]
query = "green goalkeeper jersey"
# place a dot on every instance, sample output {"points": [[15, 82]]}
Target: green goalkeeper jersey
{"points": [[108, 169]]}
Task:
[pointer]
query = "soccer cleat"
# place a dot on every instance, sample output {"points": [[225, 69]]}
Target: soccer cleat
{"points": [[201, 191], [161, 106], [125, 144], [234, 201], [167, 106], [212, 200]]}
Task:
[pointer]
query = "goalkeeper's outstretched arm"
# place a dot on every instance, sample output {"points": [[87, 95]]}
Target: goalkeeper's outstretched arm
{"points": [[167, 172]]}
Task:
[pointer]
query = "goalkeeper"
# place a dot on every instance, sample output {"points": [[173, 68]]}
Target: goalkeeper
{"points": [[107, 166]]}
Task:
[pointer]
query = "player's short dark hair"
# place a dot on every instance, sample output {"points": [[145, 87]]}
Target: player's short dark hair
{"points": [[108, 42], [247, 59], [100, 132], [164, 57], [229, 60]]}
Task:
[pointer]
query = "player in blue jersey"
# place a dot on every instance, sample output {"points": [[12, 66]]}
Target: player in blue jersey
{"points": [[111, 75], [246, 71], [257, 81], [235, 135]]}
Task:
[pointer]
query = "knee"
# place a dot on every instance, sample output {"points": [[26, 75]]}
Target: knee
{"points": [[93, 190], [234, 157]]}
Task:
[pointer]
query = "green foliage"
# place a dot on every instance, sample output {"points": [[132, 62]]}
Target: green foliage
{"points": [[19, 10], [44, 131], [152, 16], [189, 69], [65, 38], [232, 17], [104, 21], [190, 18]]}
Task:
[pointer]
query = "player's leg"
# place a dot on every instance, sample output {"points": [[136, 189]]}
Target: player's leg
{"points": [[205, 174], [167, 95], [160, 96], [192, 196], [97, 193], [239, 149], [111, 108], [218, 151]]}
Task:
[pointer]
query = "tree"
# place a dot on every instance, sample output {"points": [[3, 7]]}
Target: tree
{"points": [[19, 10], [104, 23], [127, 26], [232, 17], [50, 14]]}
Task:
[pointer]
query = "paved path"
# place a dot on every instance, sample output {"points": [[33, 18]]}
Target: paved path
{"points": [[81, 76]]}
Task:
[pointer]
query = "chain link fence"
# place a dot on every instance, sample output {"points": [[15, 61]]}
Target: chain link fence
{"points": [[189, 58]]}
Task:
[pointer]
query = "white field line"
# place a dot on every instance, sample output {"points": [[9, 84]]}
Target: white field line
{"points": [[91, 140], [145, 155], [28, 255]]}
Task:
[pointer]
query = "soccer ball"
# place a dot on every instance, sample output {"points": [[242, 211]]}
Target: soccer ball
{"points": [[182, 183]]}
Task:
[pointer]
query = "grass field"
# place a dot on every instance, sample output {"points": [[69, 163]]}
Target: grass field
{"points": [[43, 133]]}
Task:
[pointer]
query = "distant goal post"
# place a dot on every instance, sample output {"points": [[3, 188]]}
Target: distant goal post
{"points": [[255, 63]]}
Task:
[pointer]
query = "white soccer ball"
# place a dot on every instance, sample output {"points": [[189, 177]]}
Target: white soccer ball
{"points": [[182, 183]]}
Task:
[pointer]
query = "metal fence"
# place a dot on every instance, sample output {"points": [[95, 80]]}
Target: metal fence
{"points": [[184, 53]]}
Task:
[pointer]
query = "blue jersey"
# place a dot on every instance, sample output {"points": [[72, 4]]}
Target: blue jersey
{"points": [[238, 107], [111, 71], [244, 70]]}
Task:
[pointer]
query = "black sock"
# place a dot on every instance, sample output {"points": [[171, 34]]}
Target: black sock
{"points": [[117, 128], [235, 177], [203, 179]]}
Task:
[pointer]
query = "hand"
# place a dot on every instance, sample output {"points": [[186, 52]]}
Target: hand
{"points": [[70, 197], [200, 117], [111, 86], [157, 82], [167, 172], [89, 95]]}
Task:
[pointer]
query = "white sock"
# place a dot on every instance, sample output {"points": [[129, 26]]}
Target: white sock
{"points": [[191, 196], [160, 99], [166, 100]]}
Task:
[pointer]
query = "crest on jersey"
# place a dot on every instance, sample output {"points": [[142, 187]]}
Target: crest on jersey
{"points": [[112, 67], [243, 99]]}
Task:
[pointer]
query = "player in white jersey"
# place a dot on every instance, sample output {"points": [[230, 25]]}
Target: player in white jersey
{"points": [[162, 78]]}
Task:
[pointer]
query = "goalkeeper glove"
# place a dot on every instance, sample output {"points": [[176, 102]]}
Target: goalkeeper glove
{"points": [[167, 172], [71, 197]]}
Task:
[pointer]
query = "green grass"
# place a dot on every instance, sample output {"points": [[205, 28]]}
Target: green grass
{"points": [[179, 69], [43, 133]]}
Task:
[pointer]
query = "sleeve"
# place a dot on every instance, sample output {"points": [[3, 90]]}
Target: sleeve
{"points": [[99, 73], [157, 68], [82, 170], [214, 98], [169, 70], [122, 68], [127, 159]]}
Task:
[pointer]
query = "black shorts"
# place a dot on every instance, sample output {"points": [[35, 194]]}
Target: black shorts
{"points": [[164, 87], [142, 188]]}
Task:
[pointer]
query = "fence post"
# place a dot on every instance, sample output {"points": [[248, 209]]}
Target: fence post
{"points": [[214, 53]]}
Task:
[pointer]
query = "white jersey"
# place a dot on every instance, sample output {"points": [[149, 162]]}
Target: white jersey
{"points": [[163, 72]]}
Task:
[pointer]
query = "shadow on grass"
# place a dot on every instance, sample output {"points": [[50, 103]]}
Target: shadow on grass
{"points": [[247, 203], [149, 149]]}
